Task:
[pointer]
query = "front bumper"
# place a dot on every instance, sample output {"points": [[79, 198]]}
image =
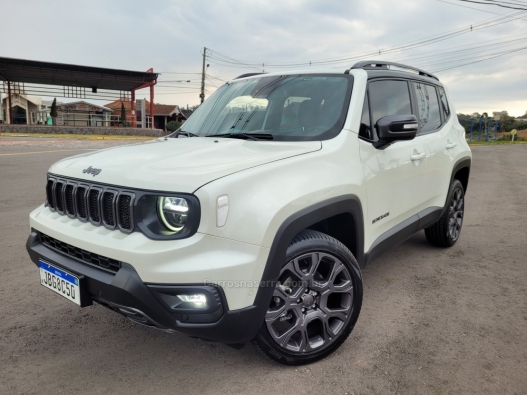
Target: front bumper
{"points": [[127, 294], [199, 259]]}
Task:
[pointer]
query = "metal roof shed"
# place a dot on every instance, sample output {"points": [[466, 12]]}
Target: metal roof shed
{"points": [[75, 81]]}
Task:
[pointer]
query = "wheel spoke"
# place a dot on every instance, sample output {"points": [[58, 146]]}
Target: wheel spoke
{"points": [[299, 318]]}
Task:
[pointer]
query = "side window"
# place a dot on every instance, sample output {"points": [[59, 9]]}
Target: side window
{"points": [[365, 124], [428, 105], [389, 98], [444, 102]]}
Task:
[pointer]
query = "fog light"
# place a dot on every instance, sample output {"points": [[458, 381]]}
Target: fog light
{"points": [[198, 301]]}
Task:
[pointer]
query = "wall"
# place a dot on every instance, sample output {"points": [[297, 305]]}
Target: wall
{"points": [[44, 129]]}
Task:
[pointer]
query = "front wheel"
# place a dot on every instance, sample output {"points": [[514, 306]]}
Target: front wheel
{"points": [[316, 302]]}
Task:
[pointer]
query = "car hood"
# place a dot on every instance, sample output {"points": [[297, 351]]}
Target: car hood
{"points": [[177, 164]]}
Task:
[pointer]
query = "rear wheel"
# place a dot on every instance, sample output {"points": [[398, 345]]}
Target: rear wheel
{"points": [[446, 231], [316, 302]]}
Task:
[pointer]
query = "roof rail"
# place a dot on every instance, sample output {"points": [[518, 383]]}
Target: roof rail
{"points": [[246, 75], [376, 64]]}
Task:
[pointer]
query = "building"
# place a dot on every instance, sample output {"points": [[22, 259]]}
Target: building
{"points": [[29, 110], [163, 113], [498, 114], [81, 113]]}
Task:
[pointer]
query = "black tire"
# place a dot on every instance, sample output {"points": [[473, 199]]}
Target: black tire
{"points": [[316, 303], [446, 231]]}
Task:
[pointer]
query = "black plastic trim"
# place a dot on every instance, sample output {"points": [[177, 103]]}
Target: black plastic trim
{"points": [[167, 296], [393, 238], [73, 195], [402, 232], [462, 163], [90, 206], [114, 208], [54, 194], [118, 212], [287, 231], [429, 216], [126, 291], [76, 202]]}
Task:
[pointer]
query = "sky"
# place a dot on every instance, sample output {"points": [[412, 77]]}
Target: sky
{"points": [[169, 36]]}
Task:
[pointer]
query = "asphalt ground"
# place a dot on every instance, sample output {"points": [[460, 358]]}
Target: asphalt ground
{"points": [[434, 321]]}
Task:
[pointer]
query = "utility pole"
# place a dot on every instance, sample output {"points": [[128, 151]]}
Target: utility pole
{"points": [[202, 94]]}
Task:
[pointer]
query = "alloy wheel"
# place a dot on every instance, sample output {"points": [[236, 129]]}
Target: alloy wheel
{"points": [[311, 303], [455, 218]]}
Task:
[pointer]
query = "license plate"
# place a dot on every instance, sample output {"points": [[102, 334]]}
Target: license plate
{"points": [[61, 282]]}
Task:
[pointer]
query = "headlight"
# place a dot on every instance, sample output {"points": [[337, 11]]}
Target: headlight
{"points": [[168, 216], [173, 212]]}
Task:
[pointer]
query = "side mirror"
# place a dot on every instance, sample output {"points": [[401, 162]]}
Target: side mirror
{"points": [[395, 128]]}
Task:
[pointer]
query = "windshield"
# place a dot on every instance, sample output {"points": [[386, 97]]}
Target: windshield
{"points": [[291, 107]]}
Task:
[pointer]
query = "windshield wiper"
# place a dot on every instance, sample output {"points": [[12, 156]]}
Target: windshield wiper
{"points": [[182, 132], [245, 136]]}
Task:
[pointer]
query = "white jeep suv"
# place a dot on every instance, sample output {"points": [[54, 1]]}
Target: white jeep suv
{"points": [[253, 221]]}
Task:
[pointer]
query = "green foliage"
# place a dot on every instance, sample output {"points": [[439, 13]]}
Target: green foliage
{"points": [[508, 137], [123, 115], [507, 123], [173, 126], [465, 120], [53, 110]]}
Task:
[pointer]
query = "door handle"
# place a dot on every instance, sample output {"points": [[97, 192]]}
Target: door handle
{"points": [[418, 156], [451, 145]]}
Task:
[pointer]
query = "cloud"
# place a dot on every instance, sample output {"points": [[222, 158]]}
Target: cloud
{"points": [[169, 36]]}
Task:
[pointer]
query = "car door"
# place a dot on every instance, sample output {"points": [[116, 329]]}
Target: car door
{"points": [[395, 176], [436, 132]]}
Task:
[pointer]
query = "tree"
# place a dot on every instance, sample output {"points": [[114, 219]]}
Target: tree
{"points": [[506, 123], [173, 126], [53, 111], [123, 115]]}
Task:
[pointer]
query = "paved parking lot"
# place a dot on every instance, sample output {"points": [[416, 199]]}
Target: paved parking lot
{"points": [[434, 321]]}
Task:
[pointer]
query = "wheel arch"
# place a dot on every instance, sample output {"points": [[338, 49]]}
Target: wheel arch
{"points": [[461, 172], [347, 205]]}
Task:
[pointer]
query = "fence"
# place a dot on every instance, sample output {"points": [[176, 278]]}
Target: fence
{"points": [[484, 130]]}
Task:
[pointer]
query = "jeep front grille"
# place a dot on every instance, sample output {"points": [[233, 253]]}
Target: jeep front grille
{"points": [[91, 202], [108, 208], [84, 256], [59, 196]]}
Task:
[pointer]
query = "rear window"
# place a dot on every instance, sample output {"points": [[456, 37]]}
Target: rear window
{"points": [[444, 103], [428, 105]]}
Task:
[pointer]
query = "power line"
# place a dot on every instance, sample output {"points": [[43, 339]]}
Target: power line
{"points": [[473, 8], [498, 4], [231, 62], [455, 53], [481, 60]]}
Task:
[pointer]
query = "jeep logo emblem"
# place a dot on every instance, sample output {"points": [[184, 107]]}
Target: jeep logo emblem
{"points": [[92, 170]]}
